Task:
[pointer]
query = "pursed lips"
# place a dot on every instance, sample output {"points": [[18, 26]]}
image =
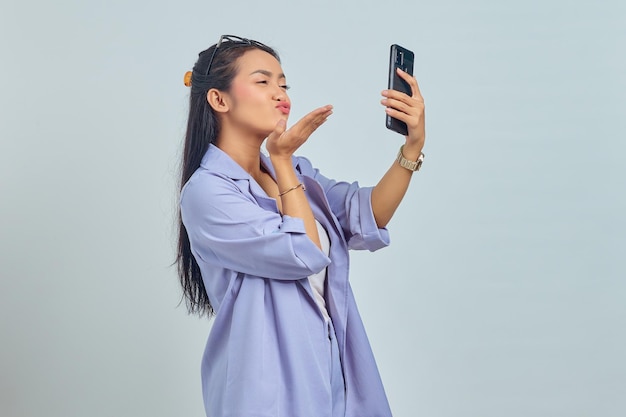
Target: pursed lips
{"points": [[284, 107]]}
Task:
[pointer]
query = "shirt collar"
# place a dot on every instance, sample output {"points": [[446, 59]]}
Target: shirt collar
{"points": [[216, 159]]}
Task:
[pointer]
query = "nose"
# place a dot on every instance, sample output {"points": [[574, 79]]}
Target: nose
{"points": [[280, 94]]}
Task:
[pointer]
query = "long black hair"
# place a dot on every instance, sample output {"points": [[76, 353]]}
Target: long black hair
{"points": [[203, 129]]}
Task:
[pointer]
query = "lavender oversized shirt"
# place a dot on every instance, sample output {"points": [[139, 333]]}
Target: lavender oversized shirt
{"points": [[268, 354]]}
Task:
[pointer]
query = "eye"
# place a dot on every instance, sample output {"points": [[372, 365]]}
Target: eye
{"points": [[262, 82], [285, 87]]}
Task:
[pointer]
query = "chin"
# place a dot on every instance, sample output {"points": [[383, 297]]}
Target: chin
{"points": [[285, 118], [267, 130]]}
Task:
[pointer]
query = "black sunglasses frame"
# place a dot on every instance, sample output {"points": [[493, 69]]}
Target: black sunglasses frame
{"points": [[236, 40]]}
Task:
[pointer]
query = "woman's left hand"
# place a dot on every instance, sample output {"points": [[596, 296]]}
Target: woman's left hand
{"points": [[283, 143], [408, 109]]}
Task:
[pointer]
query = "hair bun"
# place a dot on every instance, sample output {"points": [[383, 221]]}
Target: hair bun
{"points": [[187, 79]]}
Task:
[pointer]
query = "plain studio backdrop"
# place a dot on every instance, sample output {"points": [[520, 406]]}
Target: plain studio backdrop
{"points": [[503, 292]]}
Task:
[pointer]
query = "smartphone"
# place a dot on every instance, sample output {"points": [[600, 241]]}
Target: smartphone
{"points": [[402, 58]]}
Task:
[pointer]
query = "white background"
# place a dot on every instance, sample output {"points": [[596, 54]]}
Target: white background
{"points": [[503, 292]]}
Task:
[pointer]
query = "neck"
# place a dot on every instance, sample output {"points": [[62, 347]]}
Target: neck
{"points": [[244, 148]]}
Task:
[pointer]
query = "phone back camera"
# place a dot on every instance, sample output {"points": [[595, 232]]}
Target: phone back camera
{"points": [[400, 58]]}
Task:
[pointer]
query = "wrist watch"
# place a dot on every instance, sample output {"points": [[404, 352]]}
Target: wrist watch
{"points": [[410, 165]]}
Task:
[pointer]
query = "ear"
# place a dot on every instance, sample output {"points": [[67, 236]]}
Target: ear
{"points": [[217, 100]]}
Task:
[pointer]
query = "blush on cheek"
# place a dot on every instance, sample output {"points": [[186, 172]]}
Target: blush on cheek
{"points": [[240, 90]]}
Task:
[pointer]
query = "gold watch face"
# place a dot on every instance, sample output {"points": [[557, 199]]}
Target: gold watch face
{"points": [[420, 159]]}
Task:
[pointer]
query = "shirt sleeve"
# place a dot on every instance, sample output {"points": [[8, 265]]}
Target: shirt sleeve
{"points": [[228, 228], [352, 205]]}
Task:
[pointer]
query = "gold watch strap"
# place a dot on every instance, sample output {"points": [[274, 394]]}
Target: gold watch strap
{"points": [[410, 165]]}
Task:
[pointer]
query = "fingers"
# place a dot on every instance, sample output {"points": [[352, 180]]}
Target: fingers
{"points": [[310, 122], [283, 142], [316, 116], [408, 109], [403, 107], [397, 100], [278, 130], [416, 93], [402, 116]]}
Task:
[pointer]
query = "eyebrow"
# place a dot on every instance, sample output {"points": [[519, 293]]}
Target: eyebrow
{"points": [[267, 73]]}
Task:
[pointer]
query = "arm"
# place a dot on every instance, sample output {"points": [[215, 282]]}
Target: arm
{"points": [[391, 188], [352, 207], [229, 229], [294, 201], [281, 145]]}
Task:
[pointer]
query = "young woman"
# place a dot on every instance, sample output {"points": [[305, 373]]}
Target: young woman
{"points": [[263, 245]]}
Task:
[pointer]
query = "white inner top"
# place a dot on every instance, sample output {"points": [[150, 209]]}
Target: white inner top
{"points": [[317, 280]]}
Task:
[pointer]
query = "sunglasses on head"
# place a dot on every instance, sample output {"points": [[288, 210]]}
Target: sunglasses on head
{"points": [[236, 41]]}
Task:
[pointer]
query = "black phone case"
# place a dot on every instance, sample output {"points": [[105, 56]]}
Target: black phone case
{"points": [[402, 58]]}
